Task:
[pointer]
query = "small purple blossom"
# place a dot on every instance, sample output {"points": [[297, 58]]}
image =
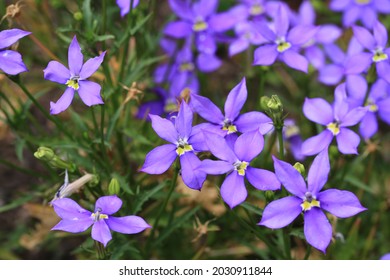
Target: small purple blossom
{"points": [[124, 6], [364, 10], [75, 78], [310, 200], [235, 161], [246, 35], [11, 61], [231, 122], [336, 118], [184, 142], [76, 219], [376, 44], [284, 43], [292, 136], [385, 257]]}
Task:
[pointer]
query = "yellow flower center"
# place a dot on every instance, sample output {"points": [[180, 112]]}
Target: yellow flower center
{"points": [[283, 46], [98, 216], [334, 128], [229, 126], [240, 167], [256, 10], [309, 202], [183, 147], [379, 55], [200, 25], [372, 107], [187, 67], [362, 2], [291, 130], [73, 83]]}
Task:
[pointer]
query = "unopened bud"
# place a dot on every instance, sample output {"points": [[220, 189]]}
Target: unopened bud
{"points": [[114, 187], [78, 16], [264, 103], [300, 167], [269, 196], [275, 104], [44, 153]]}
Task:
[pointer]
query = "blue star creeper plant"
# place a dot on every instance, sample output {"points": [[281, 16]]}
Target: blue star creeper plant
{"points": [[184, 142], [75, 78], [76, 219], [310, 200]]}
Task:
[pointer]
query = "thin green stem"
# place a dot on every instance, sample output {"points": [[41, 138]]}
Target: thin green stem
{"points": [[279, 132], [308, 251]]}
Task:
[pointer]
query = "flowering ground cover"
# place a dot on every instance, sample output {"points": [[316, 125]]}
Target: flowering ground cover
{"points": [[194, 129]]}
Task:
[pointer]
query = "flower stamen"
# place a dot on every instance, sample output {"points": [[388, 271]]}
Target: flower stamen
{"points": [[183, 147], [309, 202], [334, 127], [240, 167], [73, 82]]}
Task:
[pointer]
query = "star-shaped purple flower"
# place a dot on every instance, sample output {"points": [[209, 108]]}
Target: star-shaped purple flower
{"points": [[310, 200], [76, 219], [231, 122], [284, 44], [11, 61], [376, 44], [75, 78], [364, 10], [236, 162], [184, 142], [124, 6], [336, 118]]}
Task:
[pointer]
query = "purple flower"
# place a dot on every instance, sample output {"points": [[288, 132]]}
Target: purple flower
{"points": [[385, 257], [336, 118], [158, 106], [310, 200], [11, 61], [349, 65], [75, 78], [124, 6], [376, 44], [231, 122], [184, 142], [326, 34], [236, 162], [363, 10], [292, 136], [284, 43], [377, 104], [76, 219]]}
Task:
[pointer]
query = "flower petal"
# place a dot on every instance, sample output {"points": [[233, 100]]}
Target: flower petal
{"points": [[328, 33], [11, 62], [238, 46], [164, 128], [290, 178], [331, 74], [233, 190], [159, 159], [101, 232], [68, 209], [215, 167], [63, 103], [282, 21], [235, 100], [249, 145], [357, 86], [317, 229], [318, 110], [208, 62], [218, 147], [222, 22], [318, 173], [127, 224], [206, 109], [364, 37], [253, 120], [383, 70], [183, 121], [108, 204], [74, 226], [301, 34], [89, 93], [262, 179], [358, 63], [56, 72], [91, 66], [279, 213], [178, 29], [75, 57], [351, 15], [368, 126], [11, 36], [205, 8], [181, 8], [347, 141], [339, 5], [295, 60], [342, 204], [380, 34], [265, 55], [318, 143], [353, 117], [192, 176]]}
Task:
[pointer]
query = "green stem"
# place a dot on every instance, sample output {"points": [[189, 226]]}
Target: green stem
{"points": [[279, 132], [308, 251], [164, 205]]}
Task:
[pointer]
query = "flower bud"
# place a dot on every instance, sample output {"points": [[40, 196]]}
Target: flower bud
{"points": [[48, 155], [264, 103], [78, 16], [44, 153], [300, 167], [269, 196], [274, 104], [113, 187]]}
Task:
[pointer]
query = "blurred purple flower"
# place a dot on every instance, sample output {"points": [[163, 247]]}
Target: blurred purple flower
{"points": [[160, 105], [309, 199], [236, 162], [363, 10], [75, 78], [292, 136], [76, 219], [385, 257], [11, 61], [232, 122], [246, 35], [376, 44], [124, 6], [336, 118], [327, 34], [184, 141], [284, 44]]}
